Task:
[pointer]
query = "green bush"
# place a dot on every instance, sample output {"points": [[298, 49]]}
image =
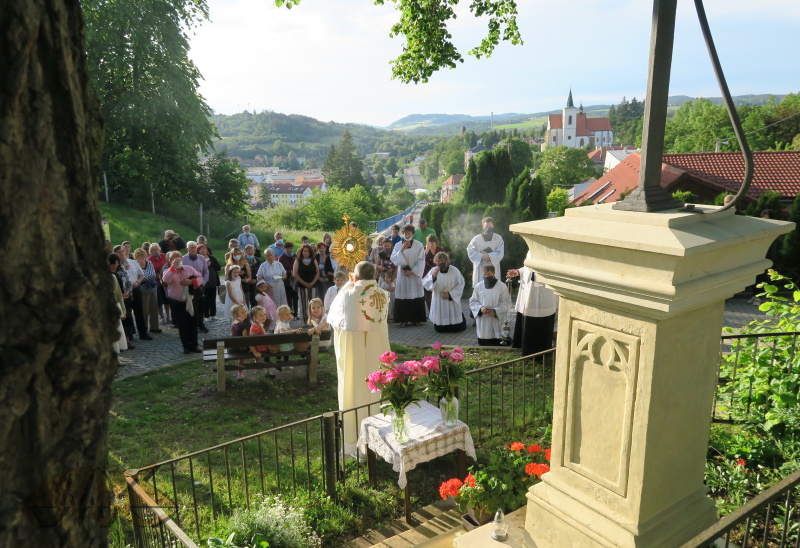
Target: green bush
{"points": [[283, 525]]}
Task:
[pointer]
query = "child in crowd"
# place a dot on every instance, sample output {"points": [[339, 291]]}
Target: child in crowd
{"points": [[239, 328], [233, 284], [258, 316], [283, 325], [264, 300], [387, 282], [339, 279], [318, 319]]}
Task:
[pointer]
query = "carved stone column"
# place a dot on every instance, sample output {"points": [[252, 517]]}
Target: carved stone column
{"points": [[642, 300]]}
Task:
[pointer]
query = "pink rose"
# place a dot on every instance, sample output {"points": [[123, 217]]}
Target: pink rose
{"points": [[388, 357], [437, 345], [456, 357], [445, 354]]}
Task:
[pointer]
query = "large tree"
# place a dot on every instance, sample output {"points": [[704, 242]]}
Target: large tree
{"points": [[564, 167], [59, 316], [157, 124], [342, 168]]}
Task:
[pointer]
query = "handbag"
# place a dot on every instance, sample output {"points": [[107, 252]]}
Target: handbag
{"points": [[222, 291]]}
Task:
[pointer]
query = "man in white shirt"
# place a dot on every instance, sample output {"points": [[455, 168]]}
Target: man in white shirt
{"points": [[487, 248]]}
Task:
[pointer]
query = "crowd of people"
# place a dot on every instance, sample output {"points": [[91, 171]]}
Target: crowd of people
{"points": [[181, 283]]}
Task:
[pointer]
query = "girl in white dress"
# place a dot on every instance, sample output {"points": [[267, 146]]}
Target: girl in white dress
{"points": [[233, 284]]}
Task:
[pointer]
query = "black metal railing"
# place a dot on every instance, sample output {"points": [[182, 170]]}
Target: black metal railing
{"points": [[749, 365], [770, 519], [194, 491]]}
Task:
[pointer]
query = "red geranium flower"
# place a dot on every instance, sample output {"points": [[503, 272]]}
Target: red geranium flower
{"points": [[740, 462], [470, 480], [534, 448], [517, 446], [536, 469], [547, 453], [450, 488]]}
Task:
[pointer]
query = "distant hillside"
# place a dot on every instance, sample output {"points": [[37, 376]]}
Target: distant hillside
{"points": [[413, 121], [431, 124], [270, 134]]}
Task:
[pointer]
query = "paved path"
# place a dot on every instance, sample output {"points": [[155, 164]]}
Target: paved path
{"points": [[165, 348]]}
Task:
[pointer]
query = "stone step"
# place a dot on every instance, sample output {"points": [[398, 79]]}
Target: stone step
{"points": [[435, 520]]}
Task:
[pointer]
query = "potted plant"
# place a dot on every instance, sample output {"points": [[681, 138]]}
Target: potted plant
{"points": [[444, 382], [501, 484], [400, 385]]}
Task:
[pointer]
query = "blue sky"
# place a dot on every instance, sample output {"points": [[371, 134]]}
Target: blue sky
{"points": [[330, 58]]}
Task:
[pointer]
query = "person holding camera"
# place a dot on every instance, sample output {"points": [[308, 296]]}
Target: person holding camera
{"points": [[181, 281], [171, 242]]}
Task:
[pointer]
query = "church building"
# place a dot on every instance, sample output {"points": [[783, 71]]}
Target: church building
{"points": [[573, 129]]}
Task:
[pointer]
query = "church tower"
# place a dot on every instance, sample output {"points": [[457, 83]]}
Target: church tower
{"points": [[569, 116]]}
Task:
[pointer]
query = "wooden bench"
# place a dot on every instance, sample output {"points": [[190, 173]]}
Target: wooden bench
{"points": [[227, 351]]}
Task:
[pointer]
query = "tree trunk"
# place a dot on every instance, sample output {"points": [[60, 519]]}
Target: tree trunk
{"points": [[58, 313]]}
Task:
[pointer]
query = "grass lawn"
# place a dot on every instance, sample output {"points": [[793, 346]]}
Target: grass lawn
{"points": [[176, 410]]}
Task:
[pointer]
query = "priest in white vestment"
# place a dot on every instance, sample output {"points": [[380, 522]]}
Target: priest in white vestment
{"points": [[490, 303], [536, 312], [446, 284], [485, 249], [409, 297], [360, 335]]}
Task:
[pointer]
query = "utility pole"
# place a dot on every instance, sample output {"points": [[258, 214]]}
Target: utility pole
{"points": [[105, 182]]}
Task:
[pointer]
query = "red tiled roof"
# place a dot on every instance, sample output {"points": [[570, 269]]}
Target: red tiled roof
{"points": [[597, 155], [598, 124], [622, 179], [776, 171], [584, 125], [453, 179], [718, 172]]}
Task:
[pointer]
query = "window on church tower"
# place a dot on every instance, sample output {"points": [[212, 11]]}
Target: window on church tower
{"points": [[581, 142], [569, 120], [569, 137]]}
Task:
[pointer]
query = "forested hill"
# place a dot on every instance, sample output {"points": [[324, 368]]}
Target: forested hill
{"points": [[450, 124], [269, 133]]}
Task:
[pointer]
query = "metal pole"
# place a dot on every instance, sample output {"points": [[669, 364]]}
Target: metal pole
{"points": [[201, 218], [649, 195], [330, 454], [152, 198], [105, 181]]}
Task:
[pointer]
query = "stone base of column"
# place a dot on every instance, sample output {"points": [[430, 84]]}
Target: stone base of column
{"points": [[587, 527]]}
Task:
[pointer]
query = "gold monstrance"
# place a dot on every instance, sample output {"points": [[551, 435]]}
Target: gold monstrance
{"points": [[349, 245]]}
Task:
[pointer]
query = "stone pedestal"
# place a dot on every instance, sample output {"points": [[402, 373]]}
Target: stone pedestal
{"points": [[642, 300]]}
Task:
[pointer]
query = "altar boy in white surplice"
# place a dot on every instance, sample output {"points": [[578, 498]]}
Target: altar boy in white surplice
{"points": [[490, 303], [446, 284], [360, 335]]}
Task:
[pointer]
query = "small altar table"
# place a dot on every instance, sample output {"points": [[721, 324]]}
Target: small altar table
{"points": [[430, 438]]}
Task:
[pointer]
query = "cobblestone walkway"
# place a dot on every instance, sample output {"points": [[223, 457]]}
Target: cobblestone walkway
{"points": [[165, 348]]}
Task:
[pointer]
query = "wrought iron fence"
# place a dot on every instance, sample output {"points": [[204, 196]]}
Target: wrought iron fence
{"points": [[750, 367], [191, 493], [769, 520]]}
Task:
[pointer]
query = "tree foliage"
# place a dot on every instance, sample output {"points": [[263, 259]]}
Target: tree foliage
{"points": [[564, 167], [429, 45], [342, 167], [625, 120], [223, 185], [487, 182], [156, 123], [557, 201]]}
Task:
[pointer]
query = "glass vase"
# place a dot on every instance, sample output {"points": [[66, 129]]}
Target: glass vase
{"points": [[448, 407], [401, 425]]}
